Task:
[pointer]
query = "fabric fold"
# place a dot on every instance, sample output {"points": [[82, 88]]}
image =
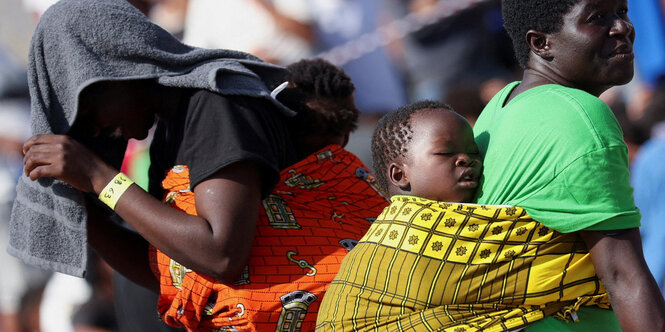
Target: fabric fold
{"points": [[442, 266]]}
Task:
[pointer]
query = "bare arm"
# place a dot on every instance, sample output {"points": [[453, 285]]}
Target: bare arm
{"points": [[634, 294], [124, 250], [216, 243]]}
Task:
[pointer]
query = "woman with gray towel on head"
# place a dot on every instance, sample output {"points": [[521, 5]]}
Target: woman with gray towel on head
{"points": [[100, 74]]}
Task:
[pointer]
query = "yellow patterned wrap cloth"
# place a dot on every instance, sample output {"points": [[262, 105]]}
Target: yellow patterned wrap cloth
{"points": [[434, 266]]}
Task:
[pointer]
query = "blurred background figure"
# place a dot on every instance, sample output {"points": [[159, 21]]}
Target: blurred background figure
{"points": [[379, 82], [380, 85], [276, 31], [469, 45], [648, 179], [16, 312], [647, 114], [170, 15]]}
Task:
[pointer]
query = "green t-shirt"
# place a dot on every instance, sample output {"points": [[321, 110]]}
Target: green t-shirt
{"points": [[559, 153]]}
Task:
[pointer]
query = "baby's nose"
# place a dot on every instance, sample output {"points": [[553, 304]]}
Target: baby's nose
{"points": [[464, 160]]}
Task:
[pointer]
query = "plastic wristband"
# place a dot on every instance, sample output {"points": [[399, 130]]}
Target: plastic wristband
{"points": [[114, 189]]}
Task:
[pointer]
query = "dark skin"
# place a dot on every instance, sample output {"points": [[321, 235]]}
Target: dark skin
{"points": [[636, 300], [593, 52], [442, 163], [307, 144], [216, 243], [311, 143]]}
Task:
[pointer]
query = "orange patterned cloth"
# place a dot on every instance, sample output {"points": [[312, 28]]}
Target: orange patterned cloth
{"points": [[317, 212]]}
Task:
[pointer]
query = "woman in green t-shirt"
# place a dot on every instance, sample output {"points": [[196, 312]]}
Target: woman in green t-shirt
{"points": [[570, 169]]}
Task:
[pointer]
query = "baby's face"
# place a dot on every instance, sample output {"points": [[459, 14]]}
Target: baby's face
{"points": [[443, 161]]}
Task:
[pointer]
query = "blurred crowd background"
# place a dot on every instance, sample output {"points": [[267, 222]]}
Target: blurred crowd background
{"points": [[396, 51]]}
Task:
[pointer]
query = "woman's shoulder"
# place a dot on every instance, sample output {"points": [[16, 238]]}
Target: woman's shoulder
{"points": [[591, 111], [569, 106], [557, 113], [576, 96]]}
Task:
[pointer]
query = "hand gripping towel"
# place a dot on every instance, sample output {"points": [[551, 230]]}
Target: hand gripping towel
{"points": [[77, 43]]}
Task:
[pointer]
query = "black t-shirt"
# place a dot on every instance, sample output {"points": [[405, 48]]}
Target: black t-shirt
{"points": [[211, 131]]}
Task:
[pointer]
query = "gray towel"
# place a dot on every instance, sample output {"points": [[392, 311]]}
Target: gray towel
{"points": [[76, 43]]}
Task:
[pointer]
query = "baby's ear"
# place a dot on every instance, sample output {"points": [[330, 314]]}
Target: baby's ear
{"points": [[398, 177]]}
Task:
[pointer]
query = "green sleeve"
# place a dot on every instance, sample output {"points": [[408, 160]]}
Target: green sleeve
{"points": [[593, 192], [618, 222]]}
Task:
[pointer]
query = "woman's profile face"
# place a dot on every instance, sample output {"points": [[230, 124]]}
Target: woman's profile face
{"points": [[594, 48], [115, 109]]}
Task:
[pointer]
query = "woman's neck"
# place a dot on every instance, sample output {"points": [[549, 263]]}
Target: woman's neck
{"points": [[539, 75]]}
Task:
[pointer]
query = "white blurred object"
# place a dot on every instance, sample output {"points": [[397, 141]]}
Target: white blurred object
{"points": [[15, 119], [13, 77], [62, 296], [170, 15], [14, 130], [38, 7], [340, 17], [246, 26]]}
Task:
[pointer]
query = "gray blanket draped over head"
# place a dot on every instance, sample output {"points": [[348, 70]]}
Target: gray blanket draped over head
{"points": [[79, 42]]}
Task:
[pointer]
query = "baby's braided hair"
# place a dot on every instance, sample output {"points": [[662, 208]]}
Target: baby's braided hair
{"points": [[392, 136]]}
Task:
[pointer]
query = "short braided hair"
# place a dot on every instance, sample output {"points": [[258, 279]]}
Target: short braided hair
{"points": [[322, 96], [520, 16], [393, 134]]}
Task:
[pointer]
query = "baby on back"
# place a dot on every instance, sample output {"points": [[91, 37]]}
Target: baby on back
{"points": [[434, 261]]}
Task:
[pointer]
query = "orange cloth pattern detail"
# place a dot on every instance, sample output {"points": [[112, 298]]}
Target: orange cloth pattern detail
{"points": [[317, 212]]}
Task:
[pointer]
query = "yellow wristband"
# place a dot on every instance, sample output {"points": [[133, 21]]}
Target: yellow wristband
{"points": [[114, 189]]}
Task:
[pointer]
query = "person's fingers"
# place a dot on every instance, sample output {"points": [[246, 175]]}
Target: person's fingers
{"points": [[42, 171], [46, 150], [35, 158], [29, 143], [43, 139], [63, 158], [39, 165], [41, 153]]}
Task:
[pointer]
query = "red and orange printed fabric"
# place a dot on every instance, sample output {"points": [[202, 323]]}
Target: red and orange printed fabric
{"points": [[317, 212]]}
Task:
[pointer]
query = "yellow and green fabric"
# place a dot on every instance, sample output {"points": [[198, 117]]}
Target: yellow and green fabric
{"points": [[434, 266]]}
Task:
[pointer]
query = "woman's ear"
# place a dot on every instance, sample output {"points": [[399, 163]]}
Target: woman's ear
{"points": [[539, 44], [398, 177]]}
